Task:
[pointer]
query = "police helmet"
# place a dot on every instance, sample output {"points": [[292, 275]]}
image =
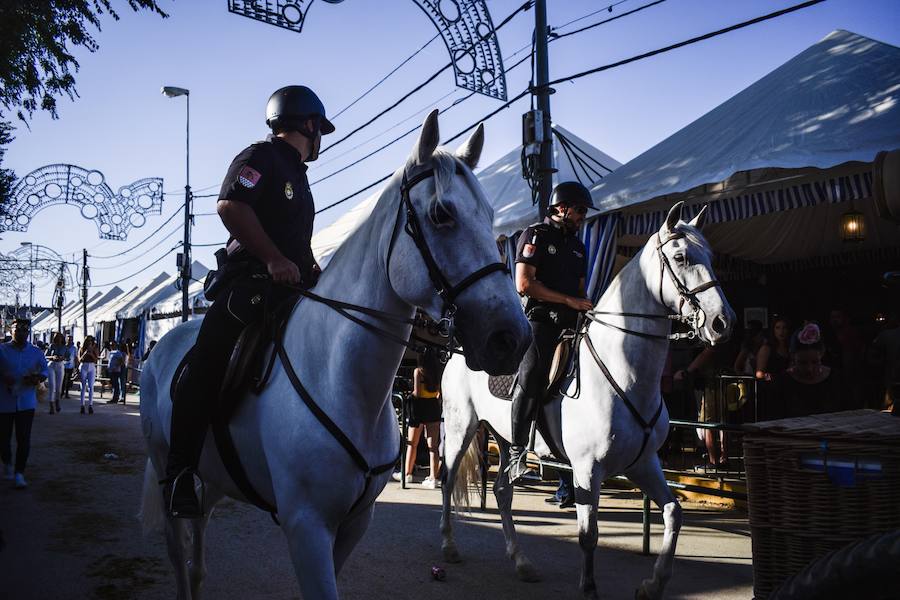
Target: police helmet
{"points": [[571, 193], [293, 104]]}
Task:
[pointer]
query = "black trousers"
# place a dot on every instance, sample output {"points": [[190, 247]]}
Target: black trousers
{"points": [[240, 304], [534, 375], [67, 382], [21, 421]]}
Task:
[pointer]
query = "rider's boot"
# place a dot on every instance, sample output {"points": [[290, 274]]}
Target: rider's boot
{"points": [[517, 465]]}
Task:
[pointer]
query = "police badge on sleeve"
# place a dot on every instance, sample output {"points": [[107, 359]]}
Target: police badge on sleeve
{"points": [[249, 177]]}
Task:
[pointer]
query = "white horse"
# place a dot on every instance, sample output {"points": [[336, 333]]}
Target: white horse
{"points": [[324, 499], [600, 435]]}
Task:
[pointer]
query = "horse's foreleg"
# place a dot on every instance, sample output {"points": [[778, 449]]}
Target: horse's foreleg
{"points": [[503, 492], [349, 534], [459, 430], [178, 543], [649, 477], [311, 546], [586, 501]]}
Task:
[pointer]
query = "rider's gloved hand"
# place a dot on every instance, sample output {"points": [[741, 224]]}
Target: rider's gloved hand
{"points": [[283, 270], [579, 304]]}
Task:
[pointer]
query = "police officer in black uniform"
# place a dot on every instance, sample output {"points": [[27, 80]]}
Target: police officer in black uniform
{"points": [[550, 270], [266, 205]]}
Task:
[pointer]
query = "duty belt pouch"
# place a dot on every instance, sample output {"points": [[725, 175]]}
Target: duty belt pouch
{"points": [[215, 279]]}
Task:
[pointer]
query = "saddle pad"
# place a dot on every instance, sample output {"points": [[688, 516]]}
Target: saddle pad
{"points": [[501, 386]]}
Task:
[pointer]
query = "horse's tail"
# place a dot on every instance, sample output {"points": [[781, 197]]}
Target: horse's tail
{"points": [[151, 513], [468, 475]]}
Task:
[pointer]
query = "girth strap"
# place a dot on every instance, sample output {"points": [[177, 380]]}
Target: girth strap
{"points": [[326, 421], [647, 427]]}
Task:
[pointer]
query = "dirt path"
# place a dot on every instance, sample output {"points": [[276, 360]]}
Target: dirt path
{"points": [[73, 534]]}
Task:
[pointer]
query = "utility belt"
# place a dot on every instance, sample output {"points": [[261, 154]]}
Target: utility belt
{"points": [[556, 314], [228, 270]]}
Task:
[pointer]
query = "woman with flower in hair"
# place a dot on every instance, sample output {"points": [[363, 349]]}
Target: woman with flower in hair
{"points": [[808, 387]]}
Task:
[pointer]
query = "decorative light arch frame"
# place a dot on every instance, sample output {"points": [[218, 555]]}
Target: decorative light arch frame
{"points": [[32, 263], [465, 26], [115, 213]]}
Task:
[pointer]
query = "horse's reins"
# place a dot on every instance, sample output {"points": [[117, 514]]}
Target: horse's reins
{"points": [[695, 320], [445, 290]]}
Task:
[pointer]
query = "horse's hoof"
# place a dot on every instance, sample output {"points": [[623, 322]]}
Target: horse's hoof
{"points": [[451, 554], [527, 573]]}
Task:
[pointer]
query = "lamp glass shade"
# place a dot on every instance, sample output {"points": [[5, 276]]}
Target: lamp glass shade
{"points": [[853, 226]]}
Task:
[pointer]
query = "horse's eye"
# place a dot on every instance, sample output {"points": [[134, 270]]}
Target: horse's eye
{"points": [[441, 214]]}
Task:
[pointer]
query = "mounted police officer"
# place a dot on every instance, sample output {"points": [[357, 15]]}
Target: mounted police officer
{"points": [[266, 205], [550, 270]]}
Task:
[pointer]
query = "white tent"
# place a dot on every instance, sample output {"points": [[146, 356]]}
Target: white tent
{"points": [[506, 190], [792, 152]]}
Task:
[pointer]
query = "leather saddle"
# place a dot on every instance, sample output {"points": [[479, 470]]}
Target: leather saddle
{"points": [[502, 386]]}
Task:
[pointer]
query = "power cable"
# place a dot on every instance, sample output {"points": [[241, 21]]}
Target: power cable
{"points": [[603, 22], [385, 78], [123, 252], [168, 252], [134, 258], [528, 4], [688, 42], [591, 14]]}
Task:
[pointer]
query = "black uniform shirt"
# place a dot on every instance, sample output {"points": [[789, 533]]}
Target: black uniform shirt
{"points": [[559, 260], [270, 177]]}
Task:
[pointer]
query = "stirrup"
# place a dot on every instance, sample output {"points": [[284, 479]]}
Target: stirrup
{"points": [[170, 509], [517, 464]]}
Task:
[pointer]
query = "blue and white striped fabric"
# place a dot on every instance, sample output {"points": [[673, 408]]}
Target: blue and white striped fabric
{"points": [[599, 236], [831, 190]]}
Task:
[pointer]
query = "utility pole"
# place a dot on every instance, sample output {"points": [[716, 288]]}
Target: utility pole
{"points": [[85, 279], [541, 92], [60, 295]]}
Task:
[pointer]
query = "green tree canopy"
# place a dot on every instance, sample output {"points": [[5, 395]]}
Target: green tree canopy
{"points": [[36, 64]]}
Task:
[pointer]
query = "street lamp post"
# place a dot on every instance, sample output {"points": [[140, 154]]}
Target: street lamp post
{"points": [[30, 276], [172, 92]]}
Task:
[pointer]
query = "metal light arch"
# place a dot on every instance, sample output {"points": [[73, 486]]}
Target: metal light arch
{"points": [[114, 212], [465, 26]]}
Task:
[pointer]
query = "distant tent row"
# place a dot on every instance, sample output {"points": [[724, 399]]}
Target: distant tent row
{"points": [[142, 314]]}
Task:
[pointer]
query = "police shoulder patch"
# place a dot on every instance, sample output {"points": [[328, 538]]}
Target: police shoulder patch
{"points": [[528, 250], [249, 177]]}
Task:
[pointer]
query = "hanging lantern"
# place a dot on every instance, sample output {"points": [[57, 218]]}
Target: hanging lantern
{"points": [[853, 226]]}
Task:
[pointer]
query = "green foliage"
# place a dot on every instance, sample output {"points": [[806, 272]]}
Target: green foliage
{"points": [[36, 65]]}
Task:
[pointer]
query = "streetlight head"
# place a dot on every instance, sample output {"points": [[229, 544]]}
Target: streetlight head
{"points": [[171, 91], [25, 243]]}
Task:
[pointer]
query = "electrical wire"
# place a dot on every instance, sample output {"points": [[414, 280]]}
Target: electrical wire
{"points": [[385, 78], [177, 229], [123, 252], [591, 14], [687, 42], [527, 5], [603, 22], [168, 252]]}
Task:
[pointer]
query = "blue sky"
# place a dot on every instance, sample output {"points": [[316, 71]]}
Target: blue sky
{"points": [[121, 125]]}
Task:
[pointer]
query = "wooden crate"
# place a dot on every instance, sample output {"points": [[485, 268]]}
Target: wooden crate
{"points": [[816, 484]]}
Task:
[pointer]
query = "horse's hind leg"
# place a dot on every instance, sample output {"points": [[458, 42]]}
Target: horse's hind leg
{"points": [[197, 567], [503, 492], [459, 429], [649, 477]]}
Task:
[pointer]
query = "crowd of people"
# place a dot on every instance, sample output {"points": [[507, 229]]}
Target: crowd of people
{"points": [[26, 367], [789, 370]]}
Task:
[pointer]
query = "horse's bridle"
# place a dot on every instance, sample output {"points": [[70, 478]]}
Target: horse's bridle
{"points": [[695, 320], [447, 291]]}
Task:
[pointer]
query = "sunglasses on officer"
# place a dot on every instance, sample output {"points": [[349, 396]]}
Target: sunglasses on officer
{"points": [[578, 210]]}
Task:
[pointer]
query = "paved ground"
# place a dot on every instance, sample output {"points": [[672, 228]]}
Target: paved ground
{"points": [[73, 534]]}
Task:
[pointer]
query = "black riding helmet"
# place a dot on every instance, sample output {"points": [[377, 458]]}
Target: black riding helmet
{"points": [[292, 105], [571, 193]]}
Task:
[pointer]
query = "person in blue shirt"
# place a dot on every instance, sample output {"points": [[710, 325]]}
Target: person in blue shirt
{"points": [[22, 367]]}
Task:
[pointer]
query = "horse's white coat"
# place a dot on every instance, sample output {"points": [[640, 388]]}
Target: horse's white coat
{"points": [[324, 503], [599, 434]]}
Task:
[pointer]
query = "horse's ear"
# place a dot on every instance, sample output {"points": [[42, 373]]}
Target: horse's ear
{"points": [[700, 220], [470, 152], [674, 216], [428, 138]]}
